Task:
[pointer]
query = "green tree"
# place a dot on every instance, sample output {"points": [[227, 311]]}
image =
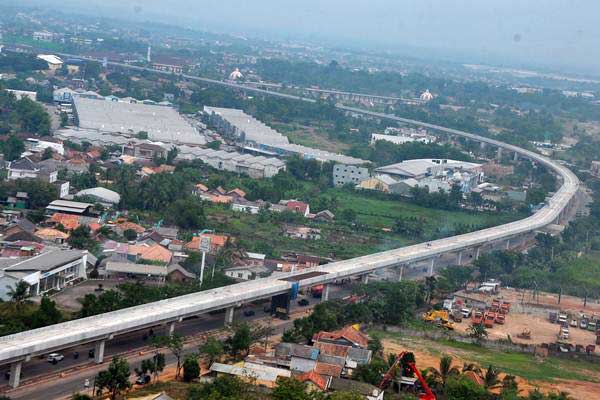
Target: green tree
{"points": [[18, 294], [376, 346], [48, 153], [372, 372], [130, 234], [191, 368], [438, 377], [174, 343], [477, 331], [215, 145], [187, 213], [64, 119], [172, 154], [241, 339], [46, 314], [115, 379], [465, 389], [12, 148], [212, 349], [80, 238], [77, 396], [290, 389]]}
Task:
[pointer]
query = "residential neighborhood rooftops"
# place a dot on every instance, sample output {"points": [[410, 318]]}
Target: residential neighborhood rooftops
{"points": [[422, 166]]}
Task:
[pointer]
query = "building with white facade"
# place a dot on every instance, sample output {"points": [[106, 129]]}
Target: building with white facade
{"points": [[47, 271]]}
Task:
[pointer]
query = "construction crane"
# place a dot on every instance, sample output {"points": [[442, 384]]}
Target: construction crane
{"points": [[387, 378]]}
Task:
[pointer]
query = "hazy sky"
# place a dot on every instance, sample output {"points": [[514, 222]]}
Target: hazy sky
{"points": [[557, 33]]}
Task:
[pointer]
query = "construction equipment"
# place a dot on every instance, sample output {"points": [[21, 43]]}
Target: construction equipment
{"points": [[500, 318], [440, 317], [488, 319], [456, 315], [477, 317], [505, 307], [526, 334], [389, 376]]}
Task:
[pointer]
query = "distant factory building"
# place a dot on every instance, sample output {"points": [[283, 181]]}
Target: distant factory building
{"points": [[348, 174], [248, 132]]}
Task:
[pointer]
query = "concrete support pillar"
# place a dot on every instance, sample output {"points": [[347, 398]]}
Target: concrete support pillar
{"points": [[431, 265], [229, 316], [171, 328], [507, 244], [482, 145], [499, 154], [401, 273], [15, 374], [325, 295], [477, 253], [459, 262], [364, 279], [99, 351], [516, 156]]}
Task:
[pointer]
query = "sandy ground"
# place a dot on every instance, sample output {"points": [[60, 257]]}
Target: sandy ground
{"points": [[578, 390], [68, 299], [567, 303], [542, 331]]}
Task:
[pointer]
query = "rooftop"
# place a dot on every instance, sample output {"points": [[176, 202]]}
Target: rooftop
{"points": [[422, 166], [161, 123], [48, 261]]}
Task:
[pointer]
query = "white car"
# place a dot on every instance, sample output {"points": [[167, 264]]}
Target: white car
{"points": [[55, 357]]}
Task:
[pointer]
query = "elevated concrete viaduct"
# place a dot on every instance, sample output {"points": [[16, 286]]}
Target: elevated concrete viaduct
{"points": [[18, 348]]}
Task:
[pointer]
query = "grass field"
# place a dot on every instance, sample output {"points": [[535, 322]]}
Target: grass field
{"points": [[341, 240], [311, 137], [380, 213]]}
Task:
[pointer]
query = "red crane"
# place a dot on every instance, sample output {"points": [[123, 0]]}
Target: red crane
{"points": [[387, 378]]}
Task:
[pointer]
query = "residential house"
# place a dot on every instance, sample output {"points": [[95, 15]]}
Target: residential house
{"points": [[366, 390], [302, 232], [217, 242], [314, 381], [146, 151], [258, 374], [240, 204], [129, 270], [168, 64], [247, 272], [25, 168], [176, 273], [120, 228], [20, 230], [380, 183], [52, 235], [324, 216], [297, 207]]}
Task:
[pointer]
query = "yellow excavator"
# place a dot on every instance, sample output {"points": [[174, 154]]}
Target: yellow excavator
{"points": [[440, 317]]}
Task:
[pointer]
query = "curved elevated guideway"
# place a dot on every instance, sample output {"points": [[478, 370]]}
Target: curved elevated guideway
{"points": [[20, 347]]}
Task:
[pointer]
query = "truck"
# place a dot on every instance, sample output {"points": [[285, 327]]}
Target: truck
{"points": [[317, 291], [500, 319], [477, 317], [562, 318], [466, 312], [488, 320]]}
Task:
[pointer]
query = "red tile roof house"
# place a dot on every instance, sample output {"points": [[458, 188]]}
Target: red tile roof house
{"points": [[315, 380], [298, 207], [347, 336]]}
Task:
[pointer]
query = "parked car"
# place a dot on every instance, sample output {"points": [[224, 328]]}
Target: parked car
{"points": [[583, 323], [249, 313], [574, 323], [591, 326], [303, 302], [142, 380], [55, 357]]}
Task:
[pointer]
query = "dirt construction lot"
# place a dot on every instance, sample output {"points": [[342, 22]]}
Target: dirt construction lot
{"points": [[533, 315]]}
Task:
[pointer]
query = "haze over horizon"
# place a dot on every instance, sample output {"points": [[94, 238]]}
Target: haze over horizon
{"points": [[560, 35]]}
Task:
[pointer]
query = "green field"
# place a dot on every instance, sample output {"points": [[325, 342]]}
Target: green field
{"points": [[380, 213], [341, 239]]}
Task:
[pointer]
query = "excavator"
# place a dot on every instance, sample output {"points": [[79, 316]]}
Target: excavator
{"points": [[440, 316], [389, 376]]}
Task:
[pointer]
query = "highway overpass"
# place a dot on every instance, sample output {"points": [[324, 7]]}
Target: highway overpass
{"points": [[19, 348]]}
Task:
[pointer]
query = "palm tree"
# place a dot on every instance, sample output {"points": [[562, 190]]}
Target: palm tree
{"points": [[440, 376], [19, 293], [491, 377]]}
